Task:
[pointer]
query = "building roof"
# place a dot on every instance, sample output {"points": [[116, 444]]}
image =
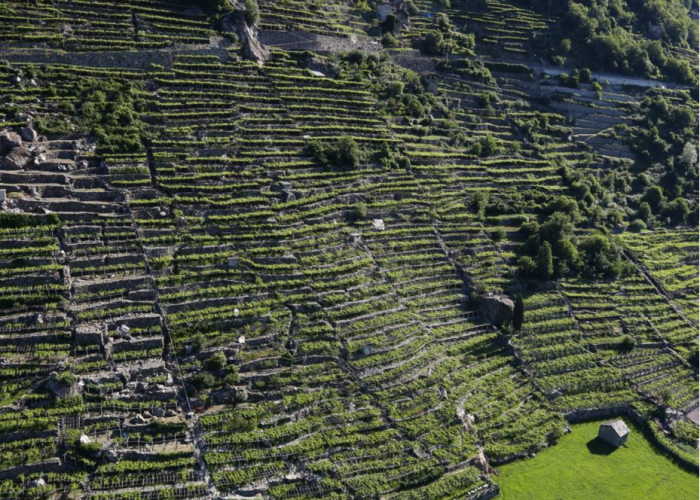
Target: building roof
{"points": [[618, 426]]}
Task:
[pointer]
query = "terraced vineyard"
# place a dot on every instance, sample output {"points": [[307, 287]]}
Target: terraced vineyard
{"points": [[281, 252]]}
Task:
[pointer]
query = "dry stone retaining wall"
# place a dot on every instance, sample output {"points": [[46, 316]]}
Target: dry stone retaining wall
{"points": [[141, 60], [299, 40]]}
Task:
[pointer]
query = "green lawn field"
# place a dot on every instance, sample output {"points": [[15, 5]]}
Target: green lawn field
{"points": [[580, 467]]}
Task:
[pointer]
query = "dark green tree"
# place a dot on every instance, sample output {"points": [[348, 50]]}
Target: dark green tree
{"points": [[677, 210], [518, 313], [545, 265], [654, 196], [252, 12]]}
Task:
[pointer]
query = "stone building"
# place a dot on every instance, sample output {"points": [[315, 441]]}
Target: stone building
{"points": [[614, 432]]}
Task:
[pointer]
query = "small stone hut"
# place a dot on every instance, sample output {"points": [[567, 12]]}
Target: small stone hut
{"points": [[614, 432]]}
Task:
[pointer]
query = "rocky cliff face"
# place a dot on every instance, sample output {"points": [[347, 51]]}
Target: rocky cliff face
{"points": [[253, 49]]}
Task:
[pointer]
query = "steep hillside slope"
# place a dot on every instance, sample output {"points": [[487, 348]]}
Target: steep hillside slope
{"points": [[288, 277]]}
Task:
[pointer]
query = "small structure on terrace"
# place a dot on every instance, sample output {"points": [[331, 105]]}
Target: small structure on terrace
{"points": [[614, 432]]}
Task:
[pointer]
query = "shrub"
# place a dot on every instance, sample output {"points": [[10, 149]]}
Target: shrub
{"points": [[558, 226], [601, 257], [67, 379], [345, 152], [689, 156], [348, 152], [396, 89], [677, 210], [527, 265], [498, 235], [485, 99], [217, 362], [598, 90], [479, 201], [231, 376], [358, 212], [487, 145], [435, 44], [252, 12], [585, 75], [557, 60], [570, 81], [644, 212], [654, 196], [389, 41], [203, 380], [567, 252], [627, 343], [637, 225]]}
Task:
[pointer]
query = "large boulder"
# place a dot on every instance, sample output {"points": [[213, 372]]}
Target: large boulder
{"points": [[28, 134], [16, 159], [9, 141], [496, 309]]}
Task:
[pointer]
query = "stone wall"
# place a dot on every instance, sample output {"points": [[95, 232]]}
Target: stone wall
{"points": [[416, 63], [141, 60], [586, 414], [299, 40]]}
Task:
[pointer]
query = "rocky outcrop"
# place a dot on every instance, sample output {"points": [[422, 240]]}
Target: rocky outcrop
{"points": [[16, 159], [253, 48], [496, 310], [9, 141], [13, 155]]}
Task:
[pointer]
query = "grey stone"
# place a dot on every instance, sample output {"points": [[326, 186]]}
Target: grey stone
{"points": [[28, 134], [496, 310], [17, 159], [9, 141], [383, 10], [111, 456], [138, 420], [37, 483]]}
